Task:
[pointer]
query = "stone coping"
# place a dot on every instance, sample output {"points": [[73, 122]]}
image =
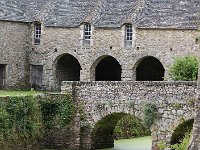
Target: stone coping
{"points": [[149, 83]]}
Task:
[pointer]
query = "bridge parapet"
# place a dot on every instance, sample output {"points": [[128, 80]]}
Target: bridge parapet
{"points": [[174, 100]]}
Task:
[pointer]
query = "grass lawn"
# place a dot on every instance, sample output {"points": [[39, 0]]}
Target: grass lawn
{"points": [[4, 93], [141, 143]]}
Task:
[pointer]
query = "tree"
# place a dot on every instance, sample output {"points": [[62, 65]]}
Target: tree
{"points": [[185, 68]]}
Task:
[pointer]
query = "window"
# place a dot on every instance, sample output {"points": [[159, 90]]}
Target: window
{"points": [[87, 34], [197, 41], [128, 35], [37, 34]]}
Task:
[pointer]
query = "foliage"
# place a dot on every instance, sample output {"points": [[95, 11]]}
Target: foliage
{"points": [[24, 120], [150, 113], [19, 118], [57, 111], [128, 127], [181, 130], [184, 69], [162, 145], [184, 143]]}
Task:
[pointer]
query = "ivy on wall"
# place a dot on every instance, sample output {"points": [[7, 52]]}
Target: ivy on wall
{"points": [[150, 114], [24, 120], [57, 111]]}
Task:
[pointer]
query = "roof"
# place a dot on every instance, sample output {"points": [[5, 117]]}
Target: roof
{"points": [[104, 13]]}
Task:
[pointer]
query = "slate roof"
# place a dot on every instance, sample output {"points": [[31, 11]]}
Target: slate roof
{"points": [[104, 13]]}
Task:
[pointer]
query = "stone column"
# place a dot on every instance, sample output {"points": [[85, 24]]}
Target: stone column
{"points": [[85, 74], [127, 73], [195, 140]]}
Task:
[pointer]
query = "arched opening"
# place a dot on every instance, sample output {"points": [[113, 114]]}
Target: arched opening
{"points": [[150, 69], [117, 126], [180, 132], [67, 69], [108, 69]]}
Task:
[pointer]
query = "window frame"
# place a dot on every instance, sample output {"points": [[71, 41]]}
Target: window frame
{"points": [[128, 35], [87, 34], [37, 33]]}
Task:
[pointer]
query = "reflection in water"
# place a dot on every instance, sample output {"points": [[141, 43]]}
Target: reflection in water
{"points": [[142, 143]]}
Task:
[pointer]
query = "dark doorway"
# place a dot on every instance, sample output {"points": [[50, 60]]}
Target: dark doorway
{"points": [[36, 77], [68, 69], [2, 76], [150, 69], [108, 69]]}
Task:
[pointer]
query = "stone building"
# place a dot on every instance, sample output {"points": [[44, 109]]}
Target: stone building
{"points": [[44, 42]]}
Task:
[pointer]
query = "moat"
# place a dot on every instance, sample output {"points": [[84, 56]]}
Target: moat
{"points": [[142, 143]]}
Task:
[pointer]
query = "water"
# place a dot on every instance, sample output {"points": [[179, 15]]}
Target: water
{"points": [[142, 143]]}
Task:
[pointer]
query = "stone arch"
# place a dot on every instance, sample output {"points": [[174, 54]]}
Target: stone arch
{"points": [[149, 68], [181, 130], [106, 68], [103, 131], [67, 68]]}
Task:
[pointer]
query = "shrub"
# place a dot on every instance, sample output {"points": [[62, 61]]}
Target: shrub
{"points": [[25, 120], [57, 111], [162, 145], [130, 126], [150, 113], [184, 69], [184, 143]]}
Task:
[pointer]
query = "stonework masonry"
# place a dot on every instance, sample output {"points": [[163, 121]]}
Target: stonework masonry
{"points": [[163, 44], [161, 30], [14, 47], [174, 100], [155, 33]]}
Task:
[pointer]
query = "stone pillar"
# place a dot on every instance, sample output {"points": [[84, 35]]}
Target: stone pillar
{"points": [[126, 74], [195, 140], [85, 74]]}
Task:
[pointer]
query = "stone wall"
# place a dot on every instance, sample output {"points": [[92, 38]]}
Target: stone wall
{"points": [[163, 44], [195, 140], [13, 53], [175, 102]]}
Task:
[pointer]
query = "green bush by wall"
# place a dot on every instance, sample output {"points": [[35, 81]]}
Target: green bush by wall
{"points": [[129, 127], [24, 120], [185, 68]]}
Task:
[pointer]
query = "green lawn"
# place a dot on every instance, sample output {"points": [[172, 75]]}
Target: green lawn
{"points": [[4, 93], [141, 143]]}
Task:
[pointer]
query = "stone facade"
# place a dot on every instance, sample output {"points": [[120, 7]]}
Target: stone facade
{"points": [[174, 100], [163, 44], [155, 33], [14, 49], [195, 138], [161, 30]]}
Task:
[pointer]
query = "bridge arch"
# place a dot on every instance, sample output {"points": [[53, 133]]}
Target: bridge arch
{"points": [[103, 131], [181, 130], [67, 68], [149, 68], [105, 68]]}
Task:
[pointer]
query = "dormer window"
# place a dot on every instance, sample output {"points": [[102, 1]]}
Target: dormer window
{"points": [[128, 35], [37, 34], [87, 34]]}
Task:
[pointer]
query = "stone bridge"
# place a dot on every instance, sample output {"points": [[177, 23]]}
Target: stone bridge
{"points": [[174, 100]]}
